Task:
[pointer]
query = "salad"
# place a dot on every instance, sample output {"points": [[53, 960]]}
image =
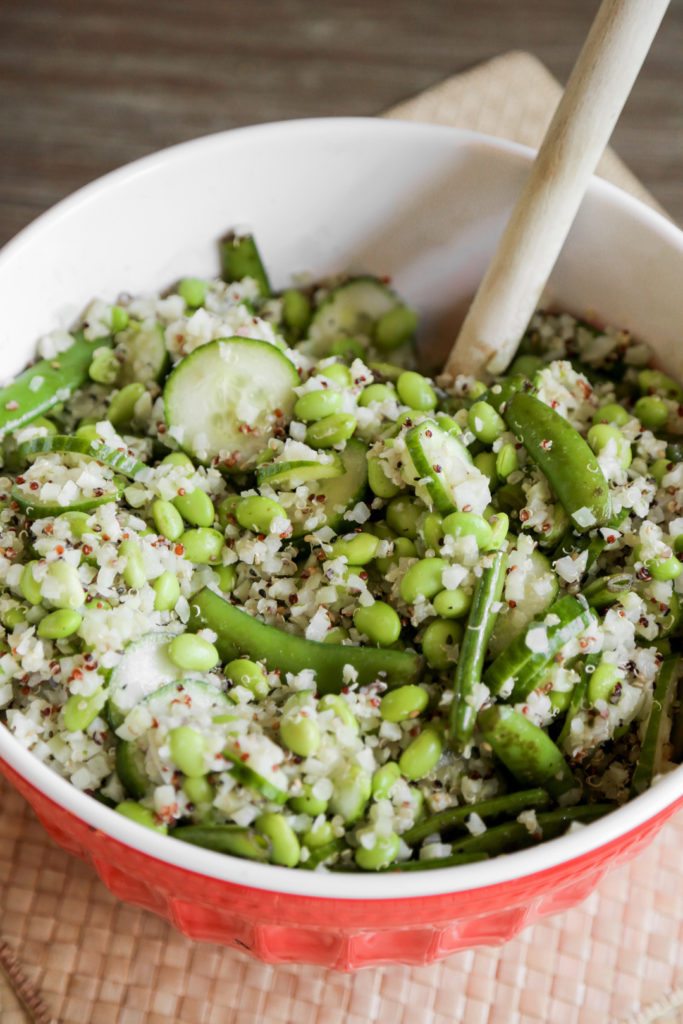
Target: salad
{"points": [[268, 589]]}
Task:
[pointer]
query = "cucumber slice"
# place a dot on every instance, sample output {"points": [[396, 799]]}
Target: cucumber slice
{"points": [[251, 779], [121, 461], [144, 669], [145, 356], [289, 475], [540, 589], [441, 471], [339, 493], [351, 309], [223, 401], [35, 508], [193, 697]]}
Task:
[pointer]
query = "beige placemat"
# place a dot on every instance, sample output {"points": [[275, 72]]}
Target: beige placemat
{"points": [[79, 956]]}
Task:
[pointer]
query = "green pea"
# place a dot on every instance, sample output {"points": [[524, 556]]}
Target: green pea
{"points": [[432, 531], [382, 853], [193, 653], [485, 423], [142, 815], [122, 406], [379, 622], [178, 459], [193, 290], [352, 788], [469, 524], [118, 319], [403, 548], [357, 548], [452, 604], [79, 712], [62, 586], [28, 584], [330, 430], [296, 309], [422, 754], [202, 545], [258, 514], [663, 569], [347, 348], [334, 702], [337, 372], [243, 672], [104, 368], [395, 327], [650, 381], [439, 642], [660, 468], [60, 624], [603, 681], [404, 702], [507, 461], [187, 748], [500, 525], [375, 393], [403, 516], [379, 482], [611, 413], [307, 803], [423, 579], [198, 790], [651, 411], [195, 507], [167, 590], [315, 405], [416, 391], [134, 573], [385, 779], [227, 577], [300, 735], [601, 434]]}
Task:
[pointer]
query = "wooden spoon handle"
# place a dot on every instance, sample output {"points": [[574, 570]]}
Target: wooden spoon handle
{"points": [[598, 87]]}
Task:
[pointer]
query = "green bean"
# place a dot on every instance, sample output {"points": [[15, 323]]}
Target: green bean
{"points": [[416, 391], [482, 618], [188, 747], [379, 622], [510, 804], [429, 864], [195, 507], [315, 405], [331, 430], [167, 590], [513, 835], [240, 258], [202, 545], [423, 579], [237, 840], [651, 745], [403, 703], [193, 653], [285, 849], [606, 590], [60, 624]]}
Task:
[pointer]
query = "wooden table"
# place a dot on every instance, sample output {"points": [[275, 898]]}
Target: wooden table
{"points": [[87, 85]]}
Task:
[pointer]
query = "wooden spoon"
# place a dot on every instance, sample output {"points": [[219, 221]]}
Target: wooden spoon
{"points": [[598, 87]]}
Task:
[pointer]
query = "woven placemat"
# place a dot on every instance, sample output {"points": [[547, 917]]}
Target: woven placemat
{"points": [[76, 955]]}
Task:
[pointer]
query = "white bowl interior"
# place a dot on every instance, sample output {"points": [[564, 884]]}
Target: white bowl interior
{"points": [[420, 203]]}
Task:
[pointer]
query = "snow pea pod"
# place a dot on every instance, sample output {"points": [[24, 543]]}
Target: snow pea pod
{"points": [[46, 383], [240, 634], [564, 457]]}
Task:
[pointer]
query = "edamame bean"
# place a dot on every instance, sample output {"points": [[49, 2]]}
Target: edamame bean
{"points": [[485, 423], [384, 779], [395, 327], [225, 513], [193, 290], [452, 604], [13, 617], [62, 586], [60, 624], [439, 643], [402, 703], [507, 461], [134, 572], [602, 682], [337, 372], [423, 579], [104, 368], [118, 319], [336, 703], [307, 803], [352, 788], [243, 672], [198, 790], [663, 569], [315, 405], [357, 548], [650, 381], [167, 590], [379, 622], [500, 525], [296, 309], [187, 747], [88, 431], [122, 406], [383, 851], [330, 430], [403, 548], [300, 734], [336, 635], [469, 524], [142, 815], [258, 514], [193, 653], [375, 393], [178, 459], [202, 545], [651, 411], [379, 482], [285, 849], [79, 712], [319, 834], [195, 507], [611, 413], [432, 531], [485, 462], [422, 754], [448, 424], [660, 468], [80, 523], [347, 348], [600, 436], [167, 519], [227, 577], [403, 516], [28, 584], [416, 391]]}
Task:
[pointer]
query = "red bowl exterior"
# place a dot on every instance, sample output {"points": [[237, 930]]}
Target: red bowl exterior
{"points": [[340, 934]]}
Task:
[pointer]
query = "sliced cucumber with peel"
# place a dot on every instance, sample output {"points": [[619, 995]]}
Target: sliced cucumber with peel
{"points": [[118, 460], [540, 590], [251, 779], [338, 493], [186, 695], [223, 401], [34, 508], [289, 475], [440, 469], [351, 309], [143, 348]]}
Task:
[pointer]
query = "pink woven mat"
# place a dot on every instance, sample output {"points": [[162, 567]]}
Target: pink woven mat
{"points": [[72, 954]]}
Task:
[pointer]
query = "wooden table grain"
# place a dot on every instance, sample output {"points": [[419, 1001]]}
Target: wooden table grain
{"points": [[87, 85]]}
